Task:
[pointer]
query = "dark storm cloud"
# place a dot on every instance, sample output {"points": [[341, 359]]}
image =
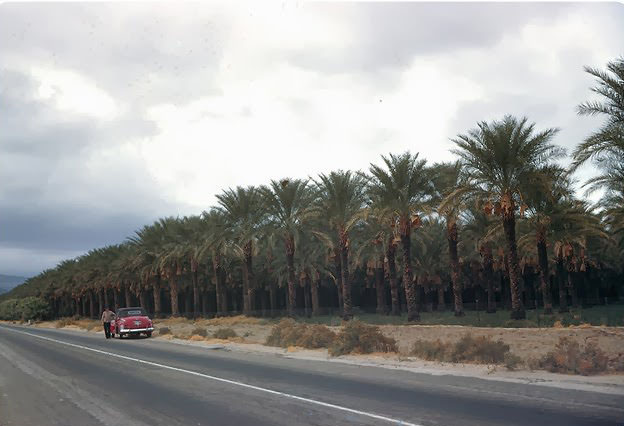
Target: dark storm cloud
{"points": [[49, 196]]}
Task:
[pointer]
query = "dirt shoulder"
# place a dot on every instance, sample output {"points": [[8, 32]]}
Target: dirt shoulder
{"points": [[251, 333]]}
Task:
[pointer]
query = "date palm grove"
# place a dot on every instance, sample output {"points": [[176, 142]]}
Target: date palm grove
{"points": [[500, 228]]}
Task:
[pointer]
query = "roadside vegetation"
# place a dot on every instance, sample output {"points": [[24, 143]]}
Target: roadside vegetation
{"points": [[354, 337], [24, 309]]}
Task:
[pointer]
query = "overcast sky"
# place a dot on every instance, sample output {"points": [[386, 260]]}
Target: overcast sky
{"points": [[112, 115]]}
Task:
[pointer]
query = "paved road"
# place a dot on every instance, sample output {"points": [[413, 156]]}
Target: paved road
{"points": [[54, 377]]}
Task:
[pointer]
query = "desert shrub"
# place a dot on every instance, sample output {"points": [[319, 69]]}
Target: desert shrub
{"points": [[315, 336], [570, 358], [164, 330], [512, 361], [288, 332], [284, 333], [431, 351], [199, 331], [480, 349], [357, 337], [224, 333], [617, 362]]}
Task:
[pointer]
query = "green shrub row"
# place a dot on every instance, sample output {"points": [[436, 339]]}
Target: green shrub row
{"points": [[27, 308]]}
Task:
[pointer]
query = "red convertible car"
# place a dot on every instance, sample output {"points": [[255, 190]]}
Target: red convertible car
{"points": [[131, 321]]}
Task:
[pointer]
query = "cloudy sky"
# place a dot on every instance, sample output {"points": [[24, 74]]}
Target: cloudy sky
{"points": [[112, 115]]}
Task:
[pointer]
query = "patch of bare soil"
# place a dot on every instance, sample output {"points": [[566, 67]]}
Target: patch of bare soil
{"points": [[524, 342]]}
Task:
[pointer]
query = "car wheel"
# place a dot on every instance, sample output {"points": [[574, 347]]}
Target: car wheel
{"points": [[148, 334]]}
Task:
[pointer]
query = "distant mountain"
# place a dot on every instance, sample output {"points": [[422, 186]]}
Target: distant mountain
{"points": [[7, 282]]}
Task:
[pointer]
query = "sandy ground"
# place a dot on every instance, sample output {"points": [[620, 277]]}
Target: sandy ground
{"points": [[524, 342]]}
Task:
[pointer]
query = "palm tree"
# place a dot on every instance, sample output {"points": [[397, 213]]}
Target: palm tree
{"points": [[147, 244], [432, 260], [447, 177], [479, 231], [377, 248], [244, 213], [216, 246], [545, 206], [341, 200], [289, 204], [404, 188], [501, 158], [606, 145]]}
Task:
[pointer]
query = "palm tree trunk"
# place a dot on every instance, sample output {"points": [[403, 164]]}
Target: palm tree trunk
{"points": [[315, 295], [563, 295], [451, 230], [249, 277], [572, 287], [273, 298], [143, 299], [116, 298], [222, 279], [347, 308], [509, 226], [303, 280], [106, 298], [127, 295], [92, 313], [338, 267], [173, 290], [392, 278], [204, 303], [157, 297], [100, 301], [216, 268], [408, 282], [441, 304], [379, 286], [195, 284], [542, 259], [488, 274], [290, 262]]}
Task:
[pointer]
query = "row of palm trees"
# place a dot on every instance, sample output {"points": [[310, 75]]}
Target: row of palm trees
{"points": [[504, 213]]}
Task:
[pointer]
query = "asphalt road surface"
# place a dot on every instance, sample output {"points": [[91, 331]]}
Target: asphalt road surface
{"points": [[54, 377]]}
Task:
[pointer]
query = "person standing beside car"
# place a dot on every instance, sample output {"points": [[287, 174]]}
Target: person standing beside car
{"points": [[107, 317]]}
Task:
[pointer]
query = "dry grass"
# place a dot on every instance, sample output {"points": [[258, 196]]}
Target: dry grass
{"points": [[197, 338], [231, 321], [65, 322], [84, 324]]}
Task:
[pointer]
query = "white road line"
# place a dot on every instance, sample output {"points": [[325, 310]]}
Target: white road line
{"points": [[219, 379]]}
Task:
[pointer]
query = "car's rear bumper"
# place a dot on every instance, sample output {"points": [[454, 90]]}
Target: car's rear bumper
{"points": [[136, 330]]}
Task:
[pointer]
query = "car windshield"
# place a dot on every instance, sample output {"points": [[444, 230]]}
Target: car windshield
{"points": [[131, 313]]}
